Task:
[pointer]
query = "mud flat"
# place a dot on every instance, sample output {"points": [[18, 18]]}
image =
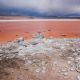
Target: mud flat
{"points": [[40, 59]]}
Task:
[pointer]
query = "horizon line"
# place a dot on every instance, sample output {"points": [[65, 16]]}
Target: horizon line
{"points": [[20, 20]]}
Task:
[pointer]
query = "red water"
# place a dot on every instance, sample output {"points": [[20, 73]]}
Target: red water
{"points": [[11, 30]]}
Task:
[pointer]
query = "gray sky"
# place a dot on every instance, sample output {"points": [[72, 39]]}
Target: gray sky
{"points": [[44, 5]]}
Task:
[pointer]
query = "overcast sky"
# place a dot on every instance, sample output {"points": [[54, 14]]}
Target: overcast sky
{"points": [[67, 6]]}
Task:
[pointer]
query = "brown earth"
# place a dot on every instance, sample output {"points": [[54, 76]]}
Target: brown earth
{"points": [[14, 69]]}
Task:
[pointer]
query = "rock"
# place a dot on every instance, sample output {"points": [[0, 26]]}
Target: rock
{"points": [[38, 70], [71, 58], [75, 54], [78, 50], [77, 64], [1, 51], [34, 42], [39, 36], [78, 77], [64, 70], [28, 62], [69, 62], [43, 69], [72, 69], [1, 55], [77, 59], [10, 56], [55, 63], [19, 39], [65, 74], [78, 67], [23, 43]]}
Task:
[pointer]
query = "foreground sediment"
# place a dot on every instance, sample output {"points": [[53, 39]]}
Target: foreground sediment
{"points": [[39, 59]]}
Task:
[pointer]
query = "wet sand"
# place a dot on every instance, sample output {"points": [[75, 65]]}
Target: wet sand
{"points": [[59, 29]]}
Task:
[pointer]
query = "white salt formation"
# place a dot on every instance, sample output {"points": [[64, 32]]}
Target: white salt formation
{"points": [[38, 53]]}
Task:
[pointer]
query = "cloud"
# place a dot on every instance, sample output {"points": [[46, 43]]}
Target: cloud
{"points": [[40, 5], [44, 6]]}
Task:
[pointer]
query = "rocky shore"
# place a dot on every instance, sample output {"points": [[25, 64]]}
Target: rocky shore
{"points": [[40, 59]]}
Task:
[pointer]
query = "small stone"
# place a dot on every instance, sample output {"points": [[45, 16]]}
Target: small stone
{"points": [[39, 35], [12, 71], [65, 74], [75, 54], [64, 70], [69, 62], [78, 67], [0, 59], [43, 69], [55, 63], [78, 50], [72, 69], [1, 55], [30, 62], [71, 58], [19, 39], [43, 62], [78, 77], [0, 51], [77, 59], [38, 70]]}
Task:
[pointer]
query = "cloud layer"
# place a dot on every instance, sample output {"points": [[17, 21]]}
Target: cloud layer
{"points": [[44, 6]]}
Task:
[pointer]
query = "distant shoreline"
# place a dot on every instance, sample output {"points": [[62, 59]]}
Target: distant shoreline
{"points": [[20, 20], [30, 18]]}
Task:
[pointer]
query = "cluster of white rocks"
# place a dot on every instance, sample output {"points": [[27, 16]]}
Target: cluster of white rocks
{"points": [[65, 46]]}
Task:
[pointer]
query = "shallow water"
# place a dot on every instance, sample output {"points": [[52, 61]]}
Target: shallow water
{"points": [[11, 30]]}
